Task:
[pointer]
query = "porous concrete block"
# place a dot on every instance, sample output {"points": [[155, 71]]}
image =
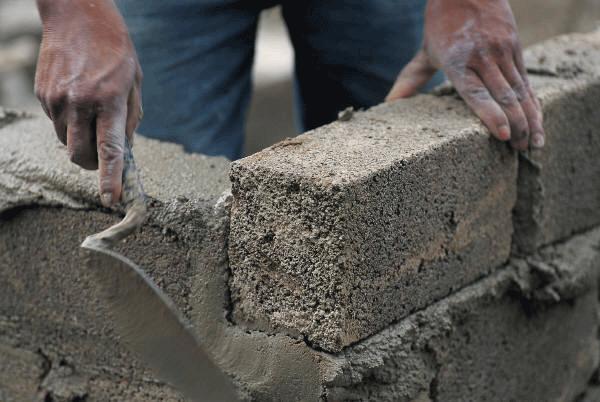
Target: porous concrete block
{"points": [[559, 186], [525, 333], [341, 231], [344, 230]]}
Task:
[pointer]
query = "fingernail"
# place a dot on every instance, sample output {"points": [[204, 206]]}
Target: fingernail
{"points": [[537, 141], [504, 133], [106, 199]]}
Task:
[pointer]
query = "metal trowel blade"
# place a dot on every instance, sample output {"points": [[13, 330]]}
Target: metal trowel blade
{"points": [[151, 326]]}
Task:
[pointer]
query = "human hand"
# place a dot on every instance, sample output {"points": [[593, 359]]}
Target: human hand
{"points": [[475, 43], [88, 81]]}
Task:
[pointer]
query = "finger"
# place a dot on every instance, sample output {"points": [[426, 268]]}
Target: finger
{"points": [[45, 109], [55, 110], [532, 112], [475, 94], [61, 130], [134, 112], [110, 137], [81, 139], [507, 99], [413, 76], [537, 137]]}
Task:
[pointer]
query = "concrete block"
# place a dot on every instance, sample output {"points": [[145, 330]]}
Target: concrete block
{"points": [[344, 230], [541, 19], [559, 186], [567, 56], [339, 232], [525, 333]]}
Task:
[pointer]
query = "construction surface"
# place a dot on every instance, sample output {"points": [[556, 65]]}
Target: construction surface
{"points": [[402, 255]]}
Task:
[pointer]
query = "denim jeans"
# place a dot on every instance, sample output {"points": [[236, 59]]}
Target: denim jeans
{"points": [[197, 59]]}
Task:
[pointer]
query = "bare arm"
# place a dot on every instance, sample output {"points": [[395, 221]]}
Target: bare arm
{"points": [[475, 43], [88, 81]]}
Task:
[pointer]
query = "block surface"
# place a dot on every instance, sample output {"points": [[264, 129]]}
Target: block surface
{"points": [[343, 230]]}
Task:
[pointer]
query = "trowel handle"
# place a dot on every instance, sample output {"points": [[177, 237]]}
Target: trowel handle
{"points": [[132, 192]]}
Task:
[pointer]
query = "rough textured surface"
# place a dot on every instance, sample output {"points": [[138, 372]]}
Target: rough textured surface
{"points": [[48, 304], [526, 333], [336, 242], [567, 56], [346, 241], [541, 19], [559, 187], [34, 169], [346, 229]]}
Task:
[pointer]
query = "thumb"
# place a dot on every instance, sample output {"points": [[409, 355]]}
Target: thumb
{"points": [[412, 77]]}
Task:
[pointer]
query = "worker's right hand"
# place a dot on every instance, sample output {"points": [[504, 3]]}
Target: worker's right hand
{"points": [[88, 80]]}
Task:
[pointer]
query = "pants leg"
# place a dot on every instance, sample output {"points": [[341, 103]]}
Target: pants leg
{"points": [[349, 52], [197, 58]]}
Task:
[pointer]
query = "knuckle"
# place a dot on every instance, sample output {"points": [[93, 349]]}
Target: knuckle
{"points": [[520, 90], [477, 59], [477, 93], [107, 98], [79, 97], [506, 99], [39, 92], [54, 98], [110, 151]]}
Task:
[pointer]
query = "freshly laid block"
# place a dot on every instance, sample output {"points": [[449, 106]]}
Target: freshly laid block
{"points": [[346, 229]]}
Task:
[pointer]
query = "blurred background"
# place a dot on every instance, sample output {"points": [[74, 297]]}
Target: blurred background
{"points": [[271, 114]]}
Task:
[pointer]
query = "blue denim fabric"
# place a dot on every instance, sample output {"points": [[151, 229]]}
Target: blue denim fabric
{"points": [[197, 58]]}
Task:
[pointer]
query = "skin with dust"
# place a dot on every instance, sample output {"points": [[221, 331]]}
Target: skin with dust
{"points": [[89, 78], [475, 43]]}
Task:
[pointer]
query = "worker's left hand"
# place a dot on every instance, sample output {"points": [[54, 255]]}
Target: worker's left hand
{"points": [[475, 43]]}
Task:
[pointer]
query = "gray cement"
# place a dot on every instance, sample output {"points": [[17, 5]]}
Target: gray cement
{"points": [[491, 339], [48, 306], [559, 187]]}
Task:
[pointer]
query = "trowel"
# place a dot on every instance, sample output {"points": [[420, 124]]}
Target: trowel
{"points": [[146, 320]]}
